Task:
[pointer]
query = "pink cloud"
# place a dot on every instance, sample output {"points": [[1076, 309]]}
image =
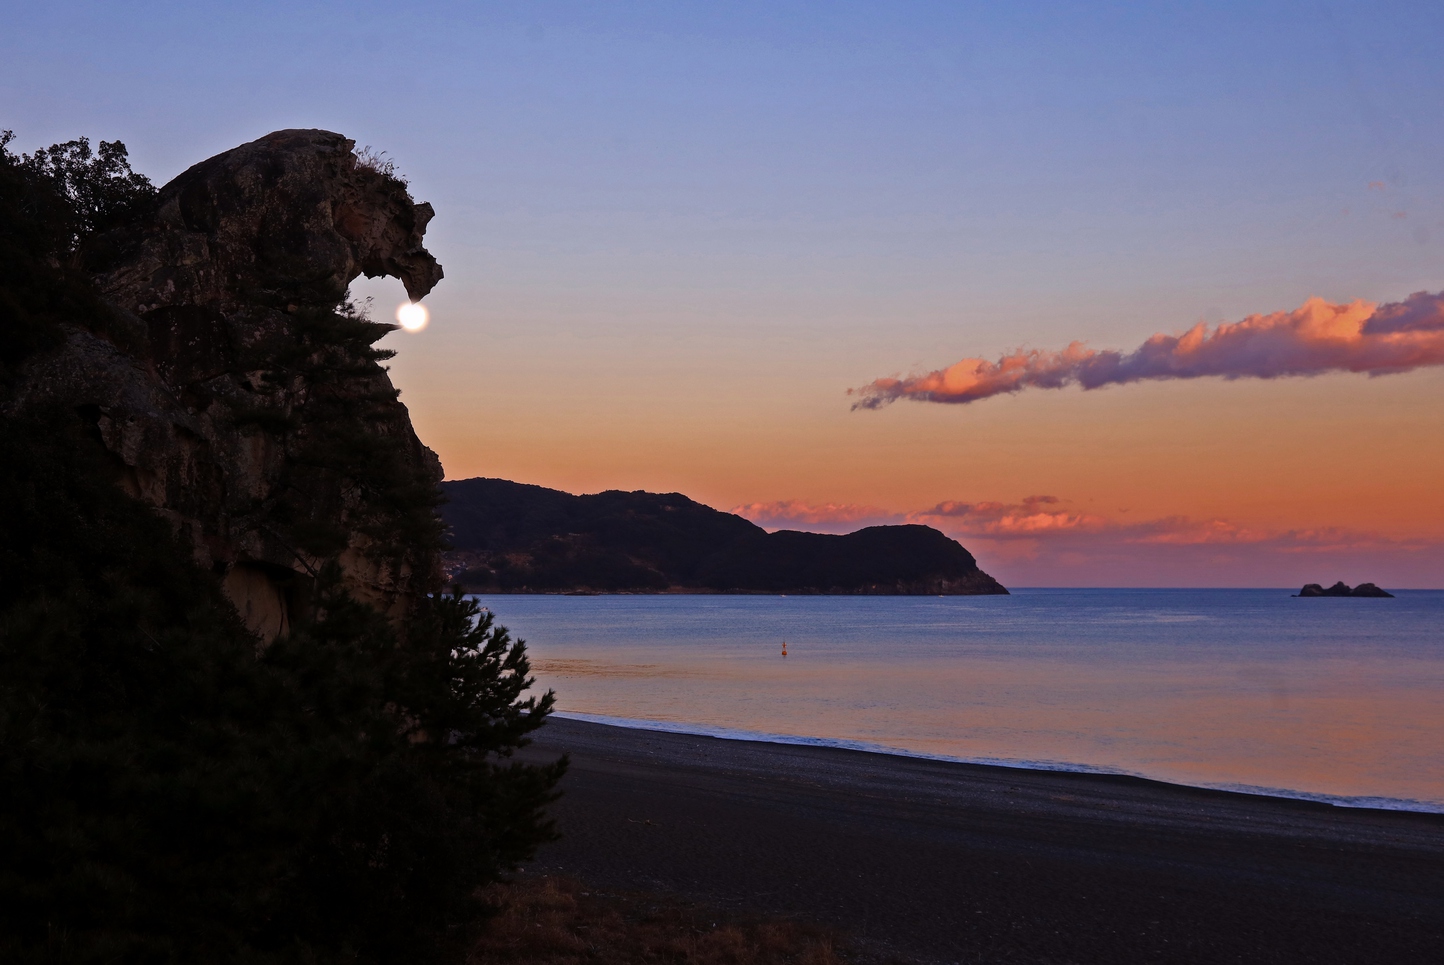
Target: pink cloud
{"points": [[1315, 338], [1042, 541], [1179, 551], [1087, 550], [1035, 515], [1181, 531], [823, 518], [1020, 521]]}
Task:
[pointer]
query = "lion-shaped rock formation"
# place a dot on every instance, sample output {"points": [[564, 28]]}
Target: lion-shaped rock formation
{"points": [[236, 391]]}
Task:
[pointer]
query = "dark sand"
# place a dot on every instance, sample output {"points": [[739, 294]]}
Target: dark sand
{"points": [[960, 862]]}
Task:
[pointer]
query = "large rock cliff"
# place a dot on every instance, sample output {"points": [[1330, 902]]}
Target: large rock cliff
{"points": [[236, 391]]}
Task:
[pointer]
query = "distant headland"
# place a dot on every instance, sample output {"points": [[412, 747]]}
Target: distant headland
{"points": [[1342, 589], [509, 537]]}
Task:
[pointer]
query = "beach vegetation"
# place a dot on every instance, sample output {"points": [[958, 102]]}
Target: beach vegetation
{"points": [[554, 920]]}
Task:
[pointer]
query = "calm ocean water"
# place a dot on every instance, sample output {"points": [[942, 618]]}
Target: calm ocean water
{"points": [[1245, 689]]}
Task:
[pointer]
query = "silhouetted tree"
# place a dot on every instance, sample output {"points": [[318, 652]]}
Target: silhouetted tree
{"points": [[78, 191]]}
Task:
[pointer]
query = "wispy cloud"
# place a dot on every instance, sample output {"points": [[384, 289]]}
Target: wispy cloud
{"points": [[1035, 516], [818, 518], [1315, 338]]}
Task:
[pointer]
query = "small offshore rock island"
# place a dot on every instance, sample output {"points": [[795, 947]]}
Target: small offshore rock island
{"points": [[1343, 589], [509, 537]]}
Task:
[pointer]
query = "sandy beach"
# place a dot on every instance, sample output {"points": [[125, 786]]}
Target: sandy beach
{"points": [[956, 862]]}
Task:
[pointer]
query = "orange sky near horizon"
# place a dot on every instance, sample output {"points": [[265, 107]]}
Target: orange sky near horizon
{"points": [[743, 418], [1334, 450]]}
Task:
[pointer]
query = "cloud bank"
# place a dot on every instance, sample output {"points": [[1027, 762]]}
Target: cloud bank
{"points": [[1047, 518], [1315, 338], [1034, 517], [1042, 541], [821, 518]]}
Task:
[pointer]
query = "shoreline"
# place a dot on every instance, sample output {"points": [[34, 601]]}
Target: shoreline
{"points": [[702, 591], [1289, 591], [1351, 802], [942, 861]]}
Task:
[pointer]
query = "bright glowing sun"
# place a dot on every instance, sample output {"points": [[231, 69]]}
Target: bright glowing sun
{"points": [[413, 316]]}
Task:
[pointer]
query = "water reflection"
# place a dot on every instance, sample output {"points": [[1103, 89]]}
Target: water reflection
{"points": [[1218, 687]]}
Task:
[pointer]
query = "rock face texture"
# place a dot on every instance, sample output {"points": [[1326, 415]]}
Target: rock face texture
{"points": [[289, 218], [237, 393]]}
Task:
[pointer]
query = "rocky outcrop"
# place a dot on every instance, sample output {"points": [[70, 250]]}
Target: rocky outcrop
{"points": [[235, 391], [1342, 589], [291, 218]]}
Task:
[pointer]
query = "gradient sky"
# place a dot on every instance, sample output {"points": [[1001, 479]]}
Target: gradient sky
{"points": [[676, 234]]}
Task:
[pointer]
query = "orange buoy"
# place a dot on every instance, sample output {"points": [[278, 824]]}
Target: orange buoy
{"points": [[784, 648]]}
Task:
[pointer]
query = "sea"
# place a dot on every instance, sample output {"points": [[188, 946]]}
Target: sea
{"points": [[1334, 700]]}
